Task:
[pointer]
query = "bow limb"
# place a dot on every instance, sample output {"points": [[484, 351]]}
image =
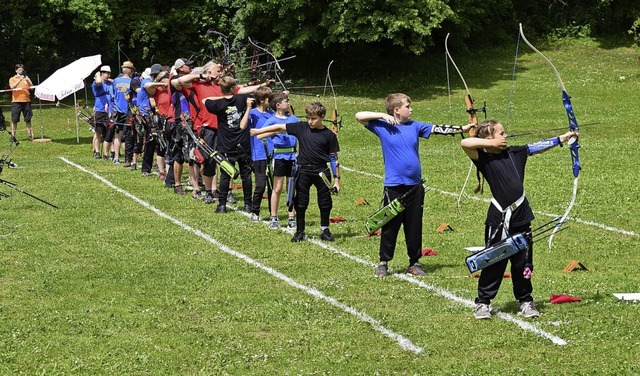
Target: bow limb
{"points": [[472, 113], [276, 70], [336, 119], [573, 142]]}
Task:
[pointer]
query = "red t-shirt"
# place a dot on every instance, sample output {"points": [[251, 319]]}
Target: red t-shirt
{"points": [[163, 102], [204, 90]]}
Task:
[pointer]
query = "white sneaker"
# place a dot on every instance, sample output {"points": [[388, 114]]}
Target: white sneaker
{"points": [[255, 217], [274, 224], [482, 311], [528, 310]]}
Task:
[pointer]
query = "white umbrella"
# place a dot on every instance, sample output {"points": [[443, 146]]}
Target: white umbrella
{"points": [[67, 80]]}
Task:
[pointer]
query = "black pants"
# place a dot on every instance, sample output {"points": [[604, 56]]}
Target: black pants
{"points": [[244, 166], [129, 139], [410, 218], [491, 276], [150, 146], [260, 172], [304, 181]]}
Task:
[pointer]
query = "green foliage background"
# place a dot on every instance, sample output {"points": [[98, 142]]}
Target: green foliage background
{"points": [[51, 33]]}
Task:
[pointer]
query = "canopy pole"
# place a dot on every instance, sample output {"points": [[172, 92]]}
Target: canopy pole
{"points": [[75, 107]]}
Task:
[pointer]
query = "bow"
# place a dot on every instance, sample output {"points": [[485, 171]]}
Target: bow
{"points": [[472, 112], [277, 69], [336, 119], [573, 142]]}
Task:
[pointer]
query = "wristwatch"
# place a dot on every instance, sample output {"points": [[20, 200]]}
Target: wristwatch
{"points": [[336, 177]]}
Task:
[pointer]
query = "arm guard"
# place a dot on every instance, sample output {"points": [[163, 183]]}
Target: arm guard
{"points": [[544, 145], [333, 162], [446, 129]]}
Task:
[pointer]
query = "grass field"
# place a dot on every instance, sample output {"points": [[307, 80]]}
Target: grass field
{"points": [[128, 278]]}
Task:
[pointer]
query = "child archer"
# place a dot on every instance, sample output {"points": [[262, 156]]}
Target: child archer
{"points": [[399, 136], [318, 146], [503, 168]]}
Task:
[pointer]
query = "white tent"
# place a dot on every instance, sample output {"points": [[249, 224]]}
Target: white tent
{"points": [[67, 80]]}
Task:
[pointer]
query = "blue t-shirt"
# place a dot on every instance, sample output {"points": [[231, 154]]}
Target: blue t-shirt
{"points": [[256, 120], [400, 150], [283, 141], [144, 105], [102, 95], [121, 94]]}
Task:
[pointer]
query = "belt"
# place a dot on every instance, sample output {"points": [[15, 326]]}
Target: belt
{"points": [[284, 150]]}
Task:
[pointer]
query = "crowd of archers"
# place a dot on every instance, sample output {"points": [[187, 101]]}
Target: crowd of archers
{"points": [[176, 116]]}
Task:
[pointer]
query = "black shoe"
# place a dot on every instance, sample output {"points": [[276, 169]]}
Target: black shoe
{"points": [[326, 235], [247, 208], [96, 155], [209, 198], [297, 237], [221, 209]]}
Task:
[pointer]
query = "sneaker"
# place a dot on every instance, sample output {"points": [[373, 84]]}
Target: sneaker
{"points": [[209, 198], [528, 310], [145, 174], [326, 235], [274, 224], [255, 217], [482, 311], [12, 164], [30, 137], [221, 209], [247, 208], [230, 199], [116, 161], [382, 269], [126, 164], [134, 166], [105, 157], [177, 189], [196, 195], [292, 223], [416, 270], [96, 155], [297, 237], [113, 155]]}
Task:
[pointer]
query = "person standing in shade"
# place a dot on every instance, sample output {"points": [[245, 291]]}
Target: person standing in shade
{"points": [[21, 100]]}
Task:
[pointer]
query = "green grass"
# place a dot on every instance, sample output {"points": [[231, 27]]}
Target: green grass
{"points": [[105, 286]]}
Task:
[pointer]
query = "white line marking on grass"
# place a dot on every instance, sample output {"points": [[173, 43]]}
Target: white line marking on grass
{"points": [[475, 198], [440, 291], [402, 341]]}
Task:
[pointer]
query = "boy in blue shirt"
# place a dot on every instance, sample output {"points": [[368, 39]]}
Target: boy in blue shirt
{"points": [[399, 136], [284, 156]]}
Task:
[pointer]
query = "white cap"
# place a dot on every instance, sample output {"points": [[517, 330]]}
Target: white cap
{"points": [[146, 73], [105, 68]]}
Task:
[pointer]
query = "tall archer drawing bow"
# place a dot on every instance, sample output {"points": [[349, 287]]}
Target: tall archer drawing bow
{"points": [[472, 112], [574, 145]]}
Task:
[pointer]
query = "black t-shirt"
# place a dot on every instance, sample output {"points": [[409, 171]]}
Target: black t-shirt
{"points": [[315, 145], [504, 173], [229, 111]]}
